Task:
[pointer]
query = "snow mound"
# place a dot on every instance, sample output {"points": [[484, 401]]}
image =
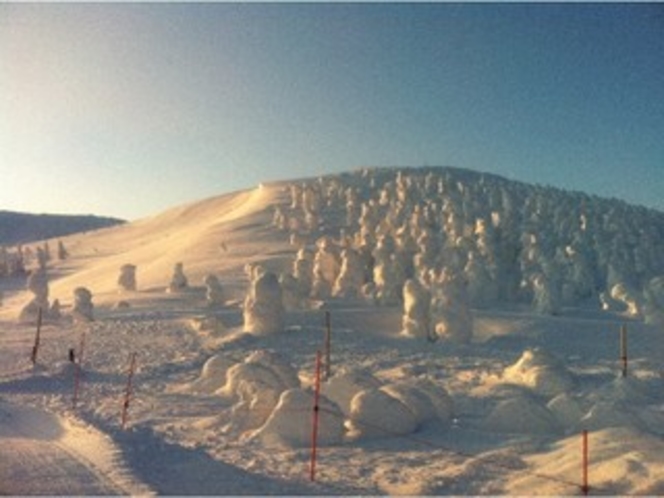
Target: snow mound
{"points": [[539, 371], [521, 414], [567, 410], [210, 325], [213, 374], [624, 389], [257, 384], [290, 423], [283, 370], [624, 402], [607, 414], [343, 387], [376, 414], [416, 401], [260, 368], [427, 400]]}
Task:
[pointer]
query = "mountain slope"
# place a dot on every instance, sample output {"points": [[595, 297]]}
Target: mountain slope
{"points": [[21, 228], [584, 244]]}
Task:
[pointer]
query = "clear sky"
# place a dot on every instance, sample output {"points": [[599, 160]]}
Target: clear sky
{"points": [[127, 109]]}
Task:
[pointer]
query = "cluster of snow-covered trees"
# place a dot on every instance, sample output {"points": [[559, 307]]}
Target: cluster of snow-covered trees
{"points": [[15, 262], [472, 238]]}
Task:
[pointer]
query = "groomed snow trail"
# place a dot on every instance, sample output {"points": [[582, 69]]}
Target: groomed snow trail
{"points": [[46, 454]]}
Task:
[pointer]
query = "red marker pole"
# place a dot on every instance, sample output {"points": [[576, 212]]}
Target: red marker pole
{"points": [[328, 345], [623, 349], [35, 348], [585, 488], [128, 390], [77, 370], [314, 430]]}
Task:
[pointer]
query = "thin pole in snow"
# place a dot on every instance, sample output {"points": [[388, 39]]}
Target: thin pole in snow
{"points": [[77, 369], [314, 430], [81, 347], [623, 349], [585, 488], [35, 348], [128, 390], [328, 345]]}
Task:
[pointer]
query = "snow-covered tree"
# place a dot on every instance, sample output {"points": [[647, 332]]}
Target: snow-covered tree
{"points": [[83, 310], [179, 281], [263, 306], [451, 307], [214, 293], [127, 278], [38, 286], [416, 321]]}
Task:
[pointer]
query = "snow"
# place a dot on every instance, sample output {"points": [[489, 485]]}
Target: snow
{"points": [[221, 402]]}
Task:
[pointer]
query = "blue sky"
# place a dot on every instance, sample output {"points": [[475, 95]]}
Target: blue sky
{"points": [[127, 109]]}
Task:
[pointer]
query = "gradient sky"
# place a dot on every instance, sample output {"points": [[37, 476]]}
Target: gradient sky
{"points": [[127, 109]]}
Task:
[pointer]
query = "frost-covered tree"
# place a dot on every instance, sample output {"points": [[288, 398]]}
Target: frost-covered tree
{"points": [[416, 320], [62, 251], [451, 307], [214, 293], [38, 285], [42, 257], [179, 281], [303, 272], [83, 310], [351, 276], [127, 278], [327, 266], [263, 306]]}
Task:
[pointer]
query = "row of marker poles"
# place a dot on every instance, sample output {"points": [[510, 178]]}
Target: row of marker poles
{"points": [[128, 390], [316, 409], [35, 348]]}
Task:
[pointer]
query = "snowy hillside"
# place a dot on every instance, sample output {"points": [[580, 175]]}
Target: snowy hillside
{"points": [[21, 228], [475, 332]]}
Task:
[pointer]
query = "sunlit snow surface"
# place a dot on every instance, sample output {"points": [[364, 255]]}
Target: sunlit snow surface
{"points": [[216, 410]]}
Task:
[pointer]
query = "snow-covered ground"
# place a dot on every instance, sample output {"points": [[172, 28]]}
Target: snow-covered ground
{"points": [[215, 410]]}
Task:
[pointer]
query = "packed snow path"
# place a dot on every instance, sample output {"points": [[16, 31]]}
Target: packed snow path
{"points": [[46, 454]]}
